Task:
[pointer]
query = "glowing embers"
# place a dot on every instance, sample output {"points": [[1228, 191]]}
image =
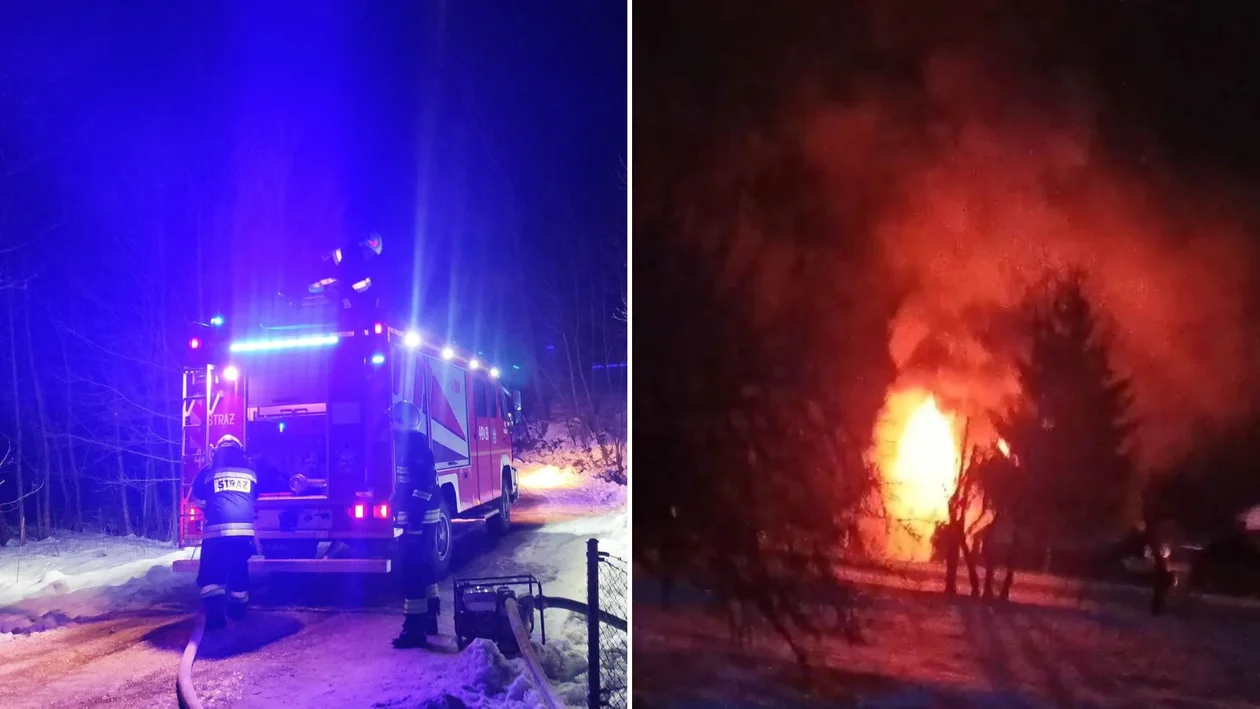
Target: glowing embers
{"points": [[285, 344]]}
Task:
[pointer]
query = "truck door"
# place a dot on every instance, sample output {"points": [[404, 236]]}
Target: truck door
{"points": [[485, 460], [449, 425]]}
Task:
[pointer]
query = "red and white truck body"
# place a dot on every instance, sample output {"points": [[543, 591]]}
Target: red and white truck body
{"points": [[311, 407]]}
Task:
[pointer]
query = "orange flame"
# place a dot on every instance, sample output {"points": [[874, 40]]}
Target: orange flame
{"points": [[920, 469]]}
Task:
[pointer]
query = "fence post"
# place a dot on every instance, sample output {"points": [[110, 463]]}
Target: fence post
{"points": [[593, 694]]}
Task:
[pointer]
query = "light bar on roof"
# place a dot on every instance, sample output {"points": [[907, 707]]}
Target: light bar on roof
{"points": [[286, 344]]}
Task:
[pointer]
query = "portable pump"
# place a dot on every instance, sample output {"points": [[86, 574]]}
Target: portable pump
{"points": [[481, 609]]}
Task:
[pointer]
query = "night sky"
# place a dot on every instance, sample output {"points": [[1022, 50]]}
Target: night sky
{"points": [[480, 139]]}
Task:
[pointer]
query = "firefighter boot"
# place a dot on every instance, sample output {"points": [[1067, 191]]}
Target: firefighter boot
{"points": [[215, 612], [431, 618], [236, 609], [412, 633]]}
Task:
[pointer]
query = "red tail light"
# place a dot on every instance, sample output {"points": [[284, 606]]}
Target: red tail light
{"points": [[359, 510], [378, 328], [382, 511]]}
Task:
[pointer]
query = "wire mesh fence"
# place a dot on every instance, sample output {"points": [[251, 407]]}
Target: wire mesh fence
{"points": [[608, 594]]}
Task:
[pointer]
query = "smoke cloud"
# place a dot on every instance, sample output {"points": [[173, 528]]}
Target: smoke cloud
{"points": [[978, 184]]}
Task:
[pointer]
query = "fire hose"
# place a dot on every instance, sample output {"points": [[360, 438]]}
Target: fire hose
{"points": [[527, 653], [569, 604], [184, 689]]}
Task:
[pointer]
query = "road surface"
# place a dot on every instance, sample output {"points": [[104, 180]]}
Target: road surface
{"points": [[287, 654]]}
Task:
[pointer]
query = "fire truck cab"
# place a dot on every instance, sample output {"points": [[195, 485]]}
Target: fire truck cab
{"points": [[310, 405]]}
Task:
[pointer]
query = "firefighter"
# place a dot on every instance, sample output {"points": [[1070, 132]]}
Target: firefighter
{"points": [[419, 514], [228, 488]]}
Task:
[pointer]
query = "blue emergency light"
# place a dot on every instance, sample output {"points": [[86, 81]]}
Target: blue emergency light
{"points": [[287, 344]]}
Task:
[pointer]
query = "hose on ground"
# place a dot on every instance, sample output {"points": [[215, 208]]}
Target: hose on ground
{"points": [[569, 604], [527, 653], [184, 690]]}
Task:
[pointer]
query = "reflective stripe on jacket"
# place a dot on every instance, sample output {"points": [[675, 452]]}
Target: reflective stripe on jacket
{"points": [[229, 529]]}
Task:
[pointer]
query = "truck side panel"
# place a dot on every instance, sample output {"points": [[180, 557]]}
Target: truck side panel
{"points": [[448, 422]]}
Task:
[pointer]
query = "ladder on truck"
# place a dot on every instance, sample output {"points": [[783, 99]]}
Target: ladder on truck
{"points": [[194, 390]]}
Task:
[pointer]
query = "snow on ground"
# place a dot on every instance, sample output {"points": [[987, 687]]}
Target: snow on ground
{"points": [[73, 576], [1046, 648]]}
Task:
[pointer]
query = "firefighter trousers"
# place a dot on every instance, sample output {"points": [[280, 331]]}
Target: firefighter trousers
{"points": [[224, 573], [418, 559]]}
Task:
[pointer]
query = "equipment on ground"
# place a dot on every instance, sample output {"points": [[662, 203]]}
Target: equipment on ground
{"points": [[481, 609]]}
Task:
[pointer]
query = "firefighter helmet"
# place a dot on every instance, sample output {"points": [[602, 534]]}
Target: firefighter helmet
{"points": [[405, 414], [229, 453]]}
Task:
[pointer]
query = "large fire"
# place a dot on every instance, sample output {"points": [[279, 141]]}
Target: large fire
{"points": [[918, 458]]}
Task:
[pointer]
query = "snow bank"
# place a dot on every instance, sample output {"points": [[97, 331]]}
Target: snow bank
{"points": [[481, 677], [70, 577], [558, 445]]}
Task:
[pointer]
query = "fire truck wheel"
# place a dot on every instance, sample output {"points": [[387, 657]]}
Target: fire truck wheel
{"points": [[444, 539], [501, 523]]}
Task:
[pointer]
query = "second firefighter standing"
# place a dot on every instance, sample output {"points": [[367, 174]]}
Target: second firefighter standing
{"points": [[418, 505]]}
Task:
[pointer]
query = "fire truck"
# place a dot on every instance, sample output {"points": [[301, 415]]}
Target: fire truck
{"points": [[310, 404]]}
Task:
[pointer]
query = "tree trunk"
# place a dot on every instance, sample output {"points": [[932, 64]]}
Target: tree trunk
{"points": [[1012, 557], [146, 500], [122, 481], [70, 447], [122, 492], [17, 422], [951, 558], [4, 530], [45, 519], [990, 559], [176, 500], [67, 507], [78, 492], [973, 576]]}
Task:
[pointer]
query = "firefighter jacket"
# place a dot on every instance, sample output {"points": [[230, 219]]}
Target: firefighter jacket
{"points": [[229, 494], [415, 480]]}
